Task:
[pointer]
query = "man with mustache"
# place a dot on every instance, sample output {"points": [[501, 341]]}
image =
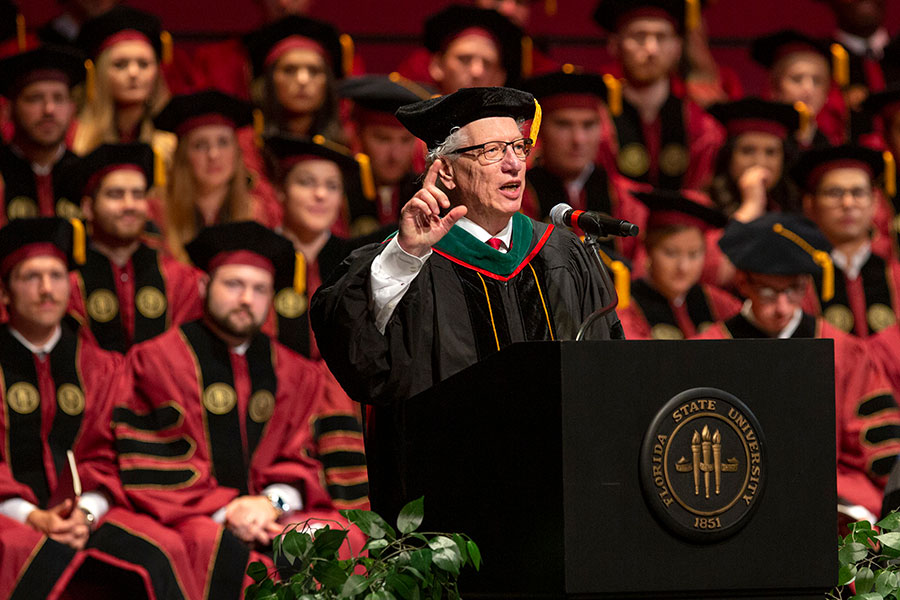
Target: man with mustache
{"points": [[223, 415], [126, 291], [37, 84]]}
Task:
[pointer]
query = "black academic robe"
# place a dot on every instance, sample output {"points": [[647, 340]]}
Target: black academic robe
{"points": [[467, 302], [24, 194]]}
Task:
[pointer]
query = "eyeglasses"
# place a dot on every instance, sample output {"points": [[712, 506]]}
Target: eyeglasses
{"points": [[492, 152], [767, 294], [833, 196]]}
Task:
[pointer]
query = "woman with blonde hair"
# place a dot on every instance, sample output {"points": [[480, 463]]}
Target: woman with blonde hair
{"points": [[125, 87], [208, 183]]}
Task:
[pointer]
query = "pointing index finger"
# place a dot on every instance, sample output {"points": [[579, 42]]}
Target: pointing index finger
{"points": [[431, 175]]}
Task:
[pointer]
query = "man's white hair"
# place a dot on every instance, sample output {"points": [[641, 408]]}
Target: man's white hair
{"points": [[452, 143]]}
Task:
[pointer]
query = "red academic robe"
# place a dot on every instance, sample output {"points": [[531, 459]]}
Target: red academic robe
{"points": [[59, 402], [209, 425], [867, 416], [650, 315], [121, 306]]}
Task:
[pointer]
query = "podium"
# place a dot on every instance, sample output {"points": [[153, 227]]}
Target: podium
{"points": [[544, 454]]}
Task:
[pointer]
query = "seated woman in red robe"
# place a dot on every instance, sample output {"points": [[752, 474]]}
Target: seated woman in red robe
{"points": [[669, 302], [208, 182]]}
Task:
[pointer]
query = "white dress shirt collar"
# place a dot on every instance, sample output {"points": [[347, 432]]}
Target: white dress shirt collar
{"points": [[851, 266], [39, 350], [479, 233]]}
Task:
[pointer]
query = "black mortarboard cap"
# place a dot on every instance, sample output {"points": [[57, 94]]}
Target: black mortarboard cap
{"points": [[816, 162], [777, 244], [244, 242], [671, 207], [442, 27], [111, 157], [612, 14], [27, 237], [383, 93], [291, 150], [45, 62], [209, 107], [96, 32], [261, 43], [564, 83], [431, 120], [769, 49], [755, 114]]}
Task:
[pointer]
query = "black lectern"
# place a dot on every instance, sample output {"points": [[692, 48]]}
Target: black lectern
{"points": [[662, 469]]}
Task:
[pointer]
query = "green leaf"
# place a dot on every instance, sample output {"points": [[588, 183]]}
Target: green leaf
{"points": [[329, 574], [869, 596], [474, 554], [354, 585], [851, 553], [295, 543], [420, 560], [402, 584], [461, 545], [375, 546], [328, 541], [891, 522], [411, 515], [846, 574], [885, 582], [891, 540], [446, 554], [257, 571], [414, 572], [865, 579], [370, 523]]}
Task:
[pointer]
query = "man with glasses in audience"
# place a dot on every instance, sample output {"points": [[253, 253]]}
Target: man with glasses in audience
{"points": [[775, 255], [841, 196], [467, 274]]}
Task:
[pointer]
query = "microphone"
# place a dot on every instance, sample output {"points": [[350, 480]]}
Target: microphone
{"points": [[595, 223]]}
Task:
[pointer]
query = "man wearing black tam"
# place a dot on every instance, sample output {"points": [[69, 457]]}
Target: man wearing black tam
{"points": [[774, 256], [466, 274]]}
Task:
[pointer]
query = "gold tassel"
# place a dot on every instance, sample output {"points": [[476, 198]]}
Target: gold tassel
{"points": [[613, 94], [550, 7], [890, 174], [691, 14], [412, 86], [79, 253], [527, 56], [159, 169], [347, 51], [820, 257], [259, 127], [803, 111], [622, 279], [340, 148], [299, 273], [568, 68], [840, 65], [535, 123], [21, 38], [366, 176], [90, 85], [165, 39]]}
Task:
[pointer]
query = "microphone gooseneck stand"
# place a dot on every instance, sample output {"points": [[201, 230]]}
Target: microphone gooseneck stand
{"points": [[593, 246]]}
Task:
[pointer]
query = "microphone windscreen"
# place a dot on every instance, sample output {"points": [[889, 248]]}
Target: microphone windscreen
{"points": [[558, 214]]}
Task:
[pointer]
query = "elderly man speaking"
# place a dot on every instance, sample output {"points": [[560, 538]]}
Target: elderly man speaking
{"points": [[466, 274]]}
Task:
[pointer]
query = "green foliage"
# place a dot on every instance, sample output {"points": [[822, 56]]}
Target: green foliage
{"points": [[870, 559], [410, 566]]}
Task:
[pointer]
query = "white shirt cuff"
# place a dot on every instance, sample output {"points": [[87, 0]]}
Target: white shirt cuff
{"points": [[288, 494], [219, 515], [391, 273], [17, 509], [95, 503]]}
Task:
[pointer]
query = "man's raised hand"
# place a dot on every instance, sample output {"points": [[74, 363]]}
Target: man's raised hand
{"points": [[421, 225]]}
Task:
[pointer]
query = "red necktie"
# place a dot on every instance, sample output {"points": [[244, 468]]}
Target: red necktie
{"points": [[495, 243]]}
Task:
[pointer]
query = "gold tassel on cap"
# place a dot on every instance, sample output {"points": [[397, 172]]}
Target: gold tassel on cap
{"points": [[159, 169], [613, 94], [803, 111], [90, 85], [165, 39], [535, 123], [840, 65], [890, 174], [347, 51], [366, 176], [691, 14], [299, 273], [21, 40], [79, 252], [820, 257], [550, 7], [527, 56], [259, 127], [568, 68]]}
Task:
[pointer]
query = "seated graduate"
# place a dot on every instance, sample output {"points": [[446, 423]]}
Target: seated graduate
{"points": [[775, 255], [841, 195], [467, 274], [126, 291], [669, 302]]}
